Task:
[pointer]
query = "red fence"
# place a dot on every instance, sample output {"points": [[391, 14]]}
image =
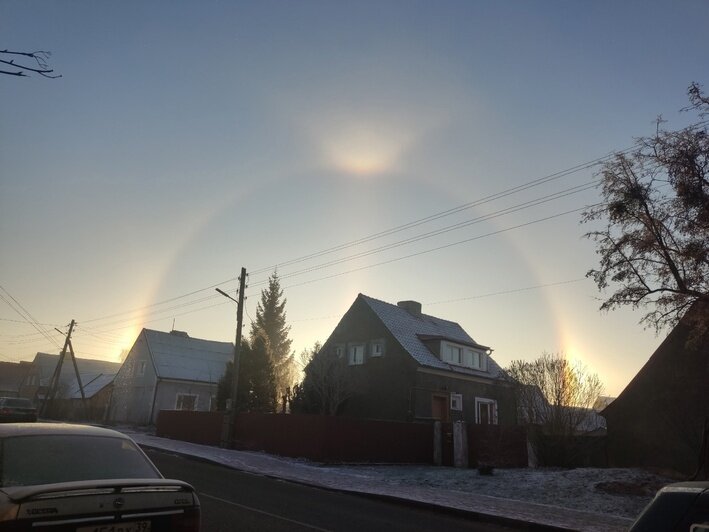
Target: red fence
{"points": [[196, 427], [335, 439], [339, 439], [319, 438]]}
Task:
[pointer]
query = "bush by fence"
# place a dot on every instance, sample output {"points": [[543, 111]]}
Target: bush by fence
{"points": [[497, 445]]}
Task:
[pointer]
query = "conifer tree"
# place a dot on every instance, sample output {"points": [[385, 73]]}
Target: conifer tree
{"points": [[269, 332]]}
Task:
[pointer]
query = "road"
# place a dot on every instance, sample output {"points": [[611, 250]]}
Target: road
{"points": [[234, 500]]}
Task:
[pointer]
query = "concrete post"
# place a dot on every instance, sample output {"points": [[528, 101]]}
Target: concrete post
{"points": [[460, 444], [437, 443]]}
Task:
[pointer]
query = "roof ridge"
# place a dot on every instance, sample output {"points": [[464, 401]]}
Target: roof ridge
{"points": [[423, 314]]}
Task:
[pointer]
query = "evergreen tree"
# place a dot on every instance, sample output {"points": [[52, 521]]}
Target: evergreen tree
{"points": [[256, 388], [269, 332], [257, 380]]}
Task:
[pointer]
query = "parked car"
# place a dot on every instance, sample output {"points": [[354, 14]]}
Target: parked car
{"points": [[13, 409], [77, 478], [683, 506]]}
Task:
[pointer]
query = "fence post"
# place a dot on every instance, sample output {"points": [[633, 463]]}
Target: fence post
{"points": [[437, 443], [460, 444]]}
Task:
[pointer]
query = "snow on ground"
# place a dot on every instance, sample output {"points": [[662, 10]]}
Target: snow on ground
{"points": [[574, 489], [569, 488]]}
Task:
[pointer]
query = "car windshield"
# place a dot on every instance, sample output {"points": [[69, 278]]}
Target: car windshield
{"points": [[47, 459], [11, 401]]}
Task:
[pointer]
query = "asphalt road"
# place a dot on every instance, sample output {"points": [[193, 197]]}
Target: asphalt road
{"points": [[234, 500]]}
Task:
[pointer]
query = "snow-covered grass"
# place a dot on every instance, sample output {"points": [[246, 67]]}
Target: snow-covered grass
{"points": [[570, 488]]}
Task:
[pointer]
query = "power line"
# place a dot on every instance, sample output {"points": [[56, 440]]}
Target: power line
{"points": [[504, 193], [505, 211], [25, 314], [445, 246], [505, 292]]}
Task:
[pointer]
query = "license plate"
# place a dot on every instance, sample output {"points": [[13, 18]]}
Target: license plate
{"points": [[133, 526]]}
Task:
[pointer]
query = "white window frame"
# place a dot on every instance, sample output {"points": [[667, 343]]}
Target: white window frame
{"points": [[489, 403], [181, 396], [352, 352], [464, 357], [376, 348], [457, 401]]}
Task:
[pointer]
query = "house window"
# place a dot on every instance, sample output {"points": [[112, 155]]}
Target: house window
{"points": [[339, 350], [485, 411], [456, 401], [460, 356], [186, 401], [452, 354], [376, 348], [141, 368], [356, 355]]}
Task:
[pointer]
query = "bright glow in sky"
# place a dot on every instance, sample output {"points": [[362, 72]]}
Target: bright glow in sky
{"points": [[188, 139]]}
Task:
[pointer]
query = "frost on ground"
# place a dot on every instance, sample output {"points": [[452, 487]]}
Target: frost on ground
{"points": [[621, 492]]}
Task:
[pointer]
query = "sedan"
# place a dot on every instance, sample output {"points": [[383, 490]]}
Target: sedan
{"points": [[680, 507], [80, 478], [14, 409]]}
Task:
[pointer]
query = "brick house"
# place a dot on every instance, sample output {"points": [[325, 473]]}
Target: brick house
{"points": [[404, 365]]}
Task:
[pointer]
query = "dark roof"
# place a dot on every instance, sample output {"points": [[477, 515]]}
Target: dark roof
{"points": [[11, 375], [410, 330], [670, 362]]}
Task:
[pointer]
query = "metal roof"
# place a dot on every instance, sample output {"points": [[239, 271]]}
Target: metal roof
{"points": [[177, 356], [92, 387], [89, 369], [409, 330]]}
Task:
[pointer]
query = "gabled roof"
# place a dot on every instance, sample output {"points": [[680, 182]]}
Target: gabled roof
{"points": [[410, 331], [89, 369], [177, 356], [92, 387], [669, 366]]}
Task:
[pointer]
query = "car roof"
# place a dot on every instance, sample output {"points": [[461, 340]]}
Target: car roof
{"points": [[8, 430]]}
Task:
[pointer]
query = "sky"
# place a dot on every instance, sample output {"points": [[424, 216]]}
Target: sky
{"points": [[391, 148]]}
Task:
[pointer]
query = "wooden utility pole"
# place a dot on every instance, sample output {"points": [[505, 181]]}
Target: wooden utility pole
{"points": [[228, 430], [54, 381]]}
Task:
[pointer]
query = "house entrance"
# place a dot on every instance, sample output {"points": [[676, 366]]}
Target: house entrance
{"points": [[439, 408]]}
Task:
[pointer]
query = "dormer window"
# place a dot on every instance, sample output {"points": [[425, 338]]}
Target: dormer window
{"points": [[463, 356]]}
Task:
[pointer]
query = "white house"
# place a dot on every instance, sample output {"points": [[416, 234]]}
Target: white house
{"points": [[167, 371]]}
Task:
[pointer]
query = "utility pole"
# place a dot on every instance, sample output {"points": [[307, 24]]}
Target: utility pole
{"points": [[54, 381], [228, 431]]}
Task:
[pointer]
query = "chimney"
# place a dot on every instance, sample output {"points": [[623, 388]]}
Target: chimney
{"points": [[412, 307]]}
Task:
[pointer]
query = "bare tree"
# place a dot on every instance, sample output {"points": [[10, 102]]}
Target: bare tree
{"points": [[327, 382], [654, 248], [554, 393], [38, 59]]}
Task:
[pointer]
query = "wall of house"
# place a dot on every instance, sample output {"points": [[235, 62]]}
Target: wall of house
{"points": [[658, 420], [382, 384], [429, 383], [166, 397], [134, 387], [96, 407]]}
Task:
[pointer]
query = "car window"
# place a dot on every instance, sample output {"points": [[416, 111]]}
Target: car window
{"points": [[11, 401], [45, 459]]}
